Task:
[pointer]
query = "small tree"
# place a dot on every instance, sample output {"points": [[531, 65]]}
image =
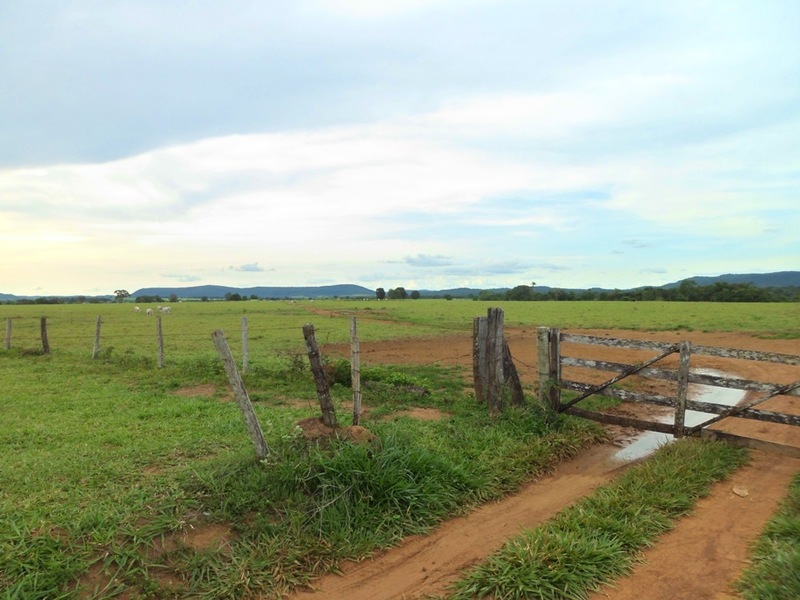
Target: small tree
{"points": [[380, 293], [415, 295], [120, 295], [398, 293]]}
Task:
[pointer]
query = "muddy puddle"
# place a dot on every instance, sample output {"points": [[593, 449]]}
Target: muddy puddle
{"points": [[647, 442]]}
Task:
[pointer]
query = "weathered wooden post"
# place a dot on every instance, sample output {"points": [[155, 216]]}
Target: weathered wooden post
{"points": [[683, 388], [8, 333], [480, 368], [245, 349], [96, 349], [512, 377], [494, 357], [45, 343], [240, 393], [355, 370], [320, 380], [160, 341], [549, 366]]}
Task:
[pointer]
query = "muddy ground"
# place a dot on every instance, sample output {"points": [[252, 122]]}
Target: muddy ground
{"points": [[699, 559]]}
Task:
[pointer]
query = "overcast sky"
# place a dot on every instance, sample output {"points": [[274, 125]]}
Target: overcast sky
{"points": [[424, 144]]}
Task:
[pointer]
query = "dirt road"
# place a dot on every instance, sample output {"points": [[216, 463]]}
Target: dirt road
{"points": [[699, 559]]}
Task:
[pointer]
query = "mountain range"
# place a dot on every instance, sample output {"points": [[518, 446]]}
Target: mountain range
{"points": [[778, 279], [762, 280]]}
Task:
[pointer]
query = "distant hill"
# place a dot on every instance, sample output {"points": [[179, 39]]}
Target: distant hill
{"points": [[761, 280], [219, 291], [779, 279]]}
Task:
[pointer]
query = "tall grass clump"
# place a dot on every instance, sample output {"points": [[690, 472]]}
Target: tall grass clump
{"points": [[775, 570], [600, 538]]}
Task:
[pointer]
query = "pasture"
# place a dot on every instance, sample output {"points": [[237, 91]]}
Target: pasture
{"points": [[122, 479]]}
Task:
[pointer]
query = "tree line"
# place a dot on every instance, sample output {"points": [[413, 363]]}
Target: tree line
{"points": [[687, 291]]}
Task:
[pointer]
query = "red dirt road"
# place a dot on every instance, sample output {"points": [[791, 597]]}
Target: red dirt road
{"points": [[698, 560]]}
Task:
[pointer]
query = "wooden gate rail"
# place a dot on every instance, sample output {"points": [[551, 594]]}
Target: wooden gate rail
{"points": [[707, 407], [701, 378], [551, 383]]}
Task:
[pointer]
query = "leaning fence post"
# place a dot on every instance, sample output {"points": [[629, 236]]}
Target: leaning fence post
{"points": [[96, 349], [512, 377], [683, 388], [8, 333], [45, 343], [355, 370], [160, 336], [323, 393], [245, 349], [240, 393]]}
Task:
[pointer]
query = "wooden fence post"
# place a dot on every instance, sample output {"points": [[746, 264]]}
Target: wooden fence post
{"points": [[321, 381], [240, 393], [45, 343], [245, 348], [683, 388], [160, 336], [96, 349], [355, 370], [8, 333], [549, 367], [494, 357], [480, 374], [512, 377]]}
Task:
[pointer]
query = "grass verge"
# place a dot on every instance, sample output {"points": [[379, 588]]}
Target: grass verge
{"points": [[600, 538], [775, 571], [115, 485]]}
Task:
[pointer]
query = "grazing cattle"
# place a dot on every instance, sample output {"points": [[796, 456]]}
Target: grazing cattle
{"points": [[149, 312], [136, 308], [167, 309]]}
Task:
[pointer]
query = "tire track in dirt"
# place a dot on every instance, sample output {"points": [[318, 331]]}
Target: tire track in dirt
{"points": [[708, 550], [426, 565]]}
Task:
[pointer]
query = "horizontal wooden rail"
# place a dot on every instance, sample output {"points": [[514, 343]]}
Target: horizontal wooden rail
{"points": [[666, 401], [621, 420], [593, 340], [735, 383]]}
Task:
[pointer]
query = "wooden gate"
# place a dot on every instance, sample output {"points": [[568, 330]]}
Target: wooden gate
{"points": [[678, 374]]}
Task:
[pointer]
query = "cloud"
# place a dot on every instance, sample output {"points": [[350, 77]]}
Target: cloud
{"points": [[249, 268], [424, 260]]}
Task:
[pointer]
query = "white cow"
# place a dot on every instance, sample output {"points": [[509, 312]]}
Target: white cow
{"points": [[166, 309], [136, 308], [149, 312]]}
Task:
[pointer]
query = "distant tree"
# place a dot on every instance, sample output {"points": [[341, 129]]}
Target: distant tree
{"points": [[235, 297], [120, 295], [398, 293], [173, 297], [380, 293], [415, 295], [448, 296], [521, 292]]}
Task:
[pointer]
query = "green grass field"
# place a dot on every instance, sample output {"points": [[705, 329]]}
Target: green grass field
{"points": [[105, 467]]}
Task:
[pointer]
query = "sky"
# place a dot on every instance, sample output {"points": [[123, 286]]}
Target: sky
{"points": [[426, 144]]}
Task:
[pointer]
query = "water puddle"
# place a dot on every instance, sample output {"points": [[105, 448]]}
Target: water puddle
{"points": [[647, 442]]}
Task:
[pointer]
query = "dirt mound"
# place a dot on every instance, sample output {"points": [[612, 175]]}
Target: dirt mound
{"points": [[315, 430]]}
